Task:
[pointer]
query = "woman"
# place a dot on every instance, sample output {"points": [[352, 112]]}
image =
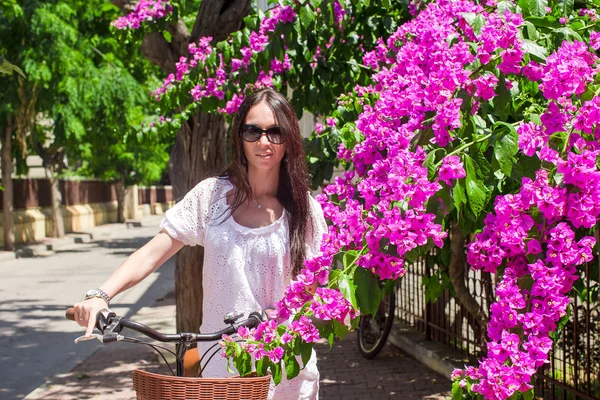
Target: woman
{"points": [[256, 221]]}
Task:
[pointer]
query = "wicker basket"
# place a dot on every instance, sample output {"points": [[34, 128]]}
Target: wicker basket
{"points": [[150, 386]]}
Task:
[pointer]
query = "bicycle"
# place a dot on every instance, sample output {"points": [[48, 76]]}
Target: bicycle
{"points": [[152, 386], [373, 330]]}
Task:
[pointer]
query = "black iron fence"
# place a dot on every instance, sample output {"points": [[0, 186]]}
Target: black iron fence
{"points": [[574, 369]]}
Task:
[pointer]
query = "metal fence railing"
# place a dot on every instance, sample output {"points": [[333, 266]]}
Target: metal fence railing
{"points": [[574, 369]]}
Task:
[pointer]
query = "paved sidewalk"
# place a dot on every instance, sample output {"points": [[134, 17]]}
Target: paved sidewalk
{"points": [[344, 374], [36, 341]]}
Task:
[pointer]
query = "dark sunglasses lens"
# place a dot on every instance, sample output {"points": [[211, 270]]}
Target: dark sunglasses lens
{"points": [[274, 135], [251, 133]]}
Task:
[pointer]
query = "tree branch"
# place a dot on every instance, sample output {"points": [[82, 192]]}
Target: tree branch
{"points": [[456, 270], [155, 47], [160, 52], [218, 18]]}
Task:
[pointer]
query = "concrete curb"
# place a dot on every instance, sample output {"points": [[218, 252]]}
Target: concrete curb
{"points": [[71, 241], [434, 355]]}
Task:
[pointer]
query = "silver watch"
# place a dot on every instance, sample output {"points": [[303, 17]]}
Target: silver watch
{"points": [[97, 293]]}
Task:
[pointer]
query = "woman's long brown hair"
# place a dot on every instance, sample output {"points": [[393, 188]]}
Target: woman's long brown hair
{"points": [[292, 191]]}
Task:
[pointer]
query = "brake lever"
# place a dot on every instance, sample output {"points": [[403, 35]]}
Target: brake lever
{"points": [[97, 336]]}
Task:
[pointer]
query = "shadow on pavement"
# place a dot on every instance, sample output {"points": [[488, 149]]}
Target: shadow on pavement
{"points": [[35, 332], [107, 373]]}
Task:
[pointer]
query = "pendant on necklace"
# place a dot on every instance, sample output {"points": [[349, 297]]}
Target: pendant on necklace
{"points": [[259, 205]]}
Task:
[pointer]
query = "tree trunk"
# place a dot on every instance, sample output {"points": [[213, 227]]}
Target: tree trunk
{"points": [[58, 222], [199, 150], [198, 153], [7, 184], [456, 271], [120, 187]]}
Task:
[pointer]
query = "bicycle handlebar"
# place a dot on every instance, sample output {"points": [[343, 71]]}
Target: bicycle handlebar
{"points": [[106, 319]]}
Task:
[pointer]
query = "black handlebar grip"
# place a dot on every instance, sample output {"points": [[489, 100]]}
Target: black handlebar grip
{"points": [[103, 318]]}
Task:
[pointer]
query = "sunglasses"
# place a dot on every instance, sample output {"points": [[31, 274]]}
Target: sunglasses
{"points": [[253, 133]]}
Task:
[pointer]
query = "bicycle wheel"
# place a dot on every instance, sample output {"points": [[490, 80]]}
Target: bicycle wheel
{"points": [[373, 331]]}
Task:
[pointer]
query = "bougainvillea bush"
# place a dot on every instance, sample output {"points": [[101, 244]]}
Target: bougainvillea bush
{"points": [[469, 118]]}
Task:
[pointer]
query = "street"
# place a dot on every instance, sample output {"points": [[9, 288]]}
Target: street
{"points": [[36, 341]]}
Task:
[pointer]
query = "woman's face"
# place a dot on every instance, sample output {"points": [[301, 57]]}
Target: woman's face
{"points": [[262, 154]]}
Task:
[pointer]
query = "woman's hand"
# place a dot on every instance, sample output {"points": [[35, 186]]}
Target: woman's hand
{"points": [[86, 311]]}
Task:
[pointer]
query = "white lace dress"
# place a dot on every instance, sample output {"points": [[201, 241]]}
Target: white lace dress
{"points": [[244, 269]]}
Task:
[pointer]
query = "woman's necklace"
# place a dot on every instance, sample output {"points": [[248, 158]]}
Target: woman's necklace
{"points": [[259, 205]]}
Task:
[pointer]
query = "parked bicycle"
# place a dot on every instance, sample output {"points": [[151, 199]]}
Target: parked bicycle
{"points": [[178, 386], [373, 330]]}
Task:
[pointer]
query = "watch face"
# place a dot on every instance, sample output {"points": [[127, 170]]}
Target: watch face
{"points": [[92, 292]]}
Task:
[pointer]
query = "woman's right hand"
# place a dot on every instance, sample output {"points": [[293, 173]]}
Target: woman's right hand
{"points": [[86, 311]]}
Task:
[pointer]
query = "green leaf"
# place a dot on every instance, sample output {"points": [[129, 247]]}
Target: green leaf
{"points": [[476, 21], [292, 368], [502, 100], [349, 257], [569, 33], [276, 371], [514, 396], [532, 33], [262, 366], [482, 164], [567, 7], [346, 285], [502, 6], [354, 323], [505, 148], [535, 50], [528, 395], [476, 191], [306, 350], [7, 68], [433, 289], [368, 293], [537, 7], [306, 15], [558, 140], [524, 4], [457, 392], [458, 194], [325, 329], [340, 330], [331, 338], [430, 164]]}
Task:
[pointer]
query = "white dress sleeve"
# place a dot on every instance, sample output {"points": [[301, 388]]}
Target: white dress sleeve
{"points": [[316, 230], [186, 221]]}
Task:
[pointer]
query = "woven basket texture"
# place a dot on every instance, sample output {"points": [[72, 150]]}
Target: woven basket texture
{"points": [[150, 386]]}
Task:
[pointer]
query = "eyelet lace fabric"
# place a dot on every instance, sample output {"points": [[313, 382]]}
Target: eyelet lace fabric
{"points": [[245, 269]]}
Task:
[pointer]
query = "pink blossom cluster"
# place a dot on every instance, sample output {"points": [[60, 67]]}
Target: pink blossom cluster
{"points": [[330, 304], [267, 340], [144, 11], [214, 84], [486, 86], [532, 232], [451, 169], [383, 201], [591, 13], [338, 13], [568, 70], [511, 236], [428, 70], [595, 40]]}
